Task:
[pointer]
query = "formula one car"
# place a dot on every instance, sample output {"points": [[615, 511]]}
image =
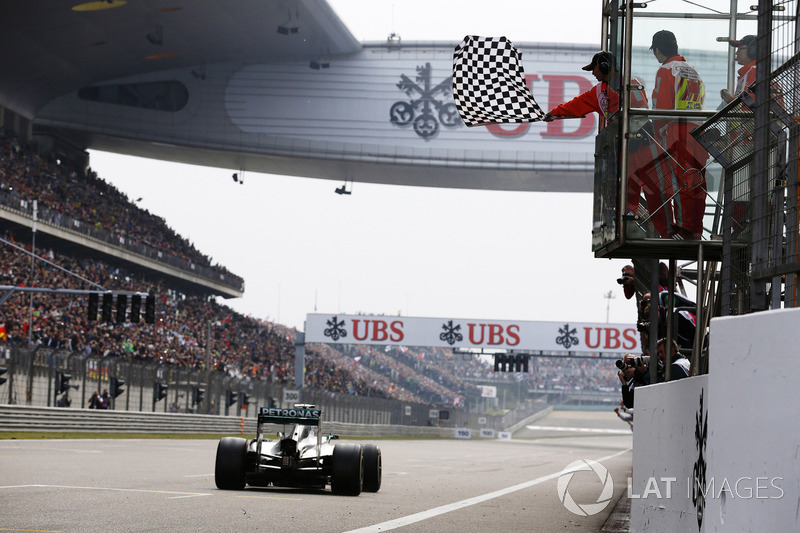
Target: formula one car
{"points": [[300, 458]]}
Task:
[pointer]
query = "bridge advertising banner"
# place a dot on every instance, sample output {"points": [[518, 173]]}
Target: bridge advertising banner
{"points": [[576, 337]]}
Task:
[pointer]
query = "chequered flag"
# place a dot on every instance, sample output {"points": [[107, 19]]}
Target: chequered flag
{"points": [[489, 83]]}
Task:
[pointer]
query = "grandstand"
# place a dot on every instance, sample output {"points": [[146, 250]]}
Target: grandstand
{"points": [[79, 213], [241, 348], [116, 100]]}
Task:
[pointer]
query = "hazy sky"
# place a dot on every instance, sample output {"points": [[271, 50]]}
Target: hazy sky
{"points": [[388, 249]]}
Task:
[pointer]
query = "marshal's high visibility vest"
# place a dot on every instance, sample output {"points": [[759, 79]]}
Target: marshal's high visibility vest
{"points": [[678, 86]]}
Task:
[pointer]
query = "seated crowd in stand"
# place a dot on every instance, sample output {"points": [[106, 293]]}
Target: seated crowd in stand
{"points": [[545, 373], [26, 176], [240, 346]]}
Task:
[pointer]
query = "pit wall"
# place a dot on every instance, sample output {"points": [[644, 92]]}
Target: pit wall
{"points": [[721, 452]]}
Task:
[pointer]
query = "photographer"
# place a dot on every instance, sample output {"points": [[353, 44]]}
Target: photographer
{"points": [[684, 319], [632, 372], [643, 322], [627, 281]]}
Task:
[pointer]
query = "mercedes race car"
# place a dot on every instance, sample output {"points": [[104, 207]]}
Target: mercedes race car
{"points": [[300, 458]]}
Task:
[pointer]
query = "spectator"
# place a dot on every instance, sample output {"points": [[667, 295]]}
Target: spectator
{"points": [[105, 400], [64, 400], [95, 402]]}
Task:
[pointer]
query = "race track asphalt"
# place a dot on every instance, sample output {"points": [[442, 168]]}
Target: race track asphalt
{"points": [[428, 485]]}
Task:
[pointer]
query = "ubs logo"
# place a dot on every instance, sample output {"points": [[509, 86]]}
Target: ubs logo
{"points": [[451, 334], [423, 110], [567, 337], [335, 329]]}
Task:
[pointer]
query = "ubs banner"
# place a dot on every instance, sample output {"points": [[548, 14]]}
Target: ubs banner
{"points": [[578, 337]]}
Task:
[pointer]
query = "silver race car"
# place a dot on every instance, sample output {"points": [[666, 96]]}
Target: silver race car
{"points": [[300, 458]]}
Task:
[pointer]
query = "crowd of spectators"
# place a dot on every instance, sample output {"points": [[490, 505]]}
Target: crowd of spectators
{"points": [[387, 363], [352, 377], [461, 372], [572, 374], [240, 346], [85, 197], [453, 370]]}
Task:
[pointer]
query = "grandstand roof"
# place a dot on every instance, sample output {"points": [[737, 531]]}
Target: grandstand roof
{"points": [[279, 87], [52, 47]]}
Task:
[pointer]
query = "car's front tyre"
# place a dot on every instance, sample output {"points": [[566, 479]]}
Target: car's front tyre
{"points": [[229, 471]]}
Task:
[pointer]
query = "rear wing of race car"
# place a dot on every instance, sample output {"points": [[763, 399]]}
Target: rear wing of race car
{"points": [[306, 416], [300, 414]]}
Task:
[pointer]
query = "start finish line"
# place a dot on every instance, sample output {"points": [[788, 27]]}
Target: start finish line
{"points": [[576, 337]]}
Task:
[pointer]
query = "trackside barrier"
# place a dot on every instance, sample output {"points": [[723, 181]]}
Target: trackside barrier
{"points": [[31, 377], [26, 418], [714, 452], [530, 420]]}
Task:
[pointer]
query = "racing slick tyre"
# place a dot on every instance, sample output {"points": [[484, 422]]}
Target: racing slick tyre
{"points": [[229, 472], [348, 469], [373, 469]]}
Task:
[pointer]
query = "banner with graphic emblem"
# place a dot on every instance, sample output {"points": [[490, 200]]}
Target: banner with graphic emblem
{"points": [[576, 337]]}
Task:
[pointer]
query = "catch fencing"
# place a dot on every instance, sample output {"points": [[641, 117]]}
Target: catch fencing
{"points": [[34, 377]]}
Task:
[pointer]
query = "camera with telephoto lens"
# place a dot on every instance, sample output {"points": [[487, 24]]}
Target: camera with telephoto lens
{"points": [[625, 277], [622, 364]]}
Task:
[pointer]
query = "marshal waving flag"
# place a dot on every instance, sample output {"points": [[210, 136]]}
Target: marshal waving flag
{"points": [[489, 83]]}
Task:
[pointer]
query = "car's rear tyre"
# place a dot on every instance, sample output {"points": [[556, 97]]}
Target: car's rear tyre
{"points": [[229, 471], [348, 469], [373, 469]]}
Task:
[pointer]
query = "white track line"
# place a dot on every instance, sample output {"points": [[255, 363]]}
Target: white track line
{"points": [[430, 513], [180, 494]]}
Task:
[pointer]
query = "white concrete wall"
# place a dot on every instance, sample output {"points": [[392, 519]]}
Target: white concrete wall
{"points": [[751, 448], [664, 455], [754, 422]]}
